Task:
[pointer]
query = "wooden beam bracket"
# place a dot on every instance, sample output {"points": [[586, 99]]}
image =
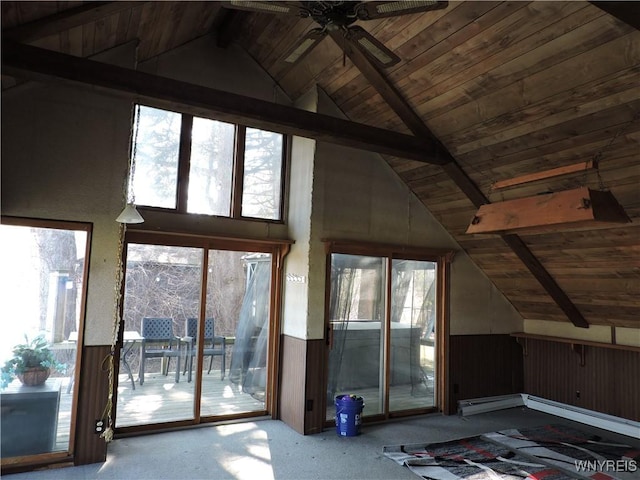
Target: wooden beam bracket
{"points": [[549, 212]]}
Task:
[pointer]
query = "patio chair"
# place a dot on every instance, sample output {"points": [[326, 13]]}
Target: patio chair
{"points": [[214, 345], [159, 342]]}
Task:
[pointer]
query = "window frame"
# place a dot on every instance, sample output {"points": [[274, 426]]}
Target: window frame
{"points": [[443, 259], [237, 182], [87, 227]]}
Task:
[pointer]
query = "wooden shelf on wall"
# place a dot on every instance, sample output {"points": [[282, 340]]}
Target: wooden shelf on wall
{"points": [[589, 343]]}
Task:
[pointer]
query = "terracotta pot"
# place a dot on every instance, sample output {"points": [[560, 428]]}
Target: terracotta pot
{"points": [[34, 376]]}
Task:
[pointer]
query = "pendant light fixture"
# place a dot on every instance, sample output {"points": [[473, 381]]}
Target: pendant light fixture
{"points": [[130, 215]]}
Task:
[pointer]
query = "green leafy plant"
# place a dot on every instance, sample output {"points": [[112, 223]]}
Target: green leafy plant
{"points": [[28, 355]]}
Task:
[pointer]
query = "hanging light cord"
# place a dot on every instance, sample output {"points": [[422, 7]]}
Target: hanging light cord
{"points": [[108, 363]]}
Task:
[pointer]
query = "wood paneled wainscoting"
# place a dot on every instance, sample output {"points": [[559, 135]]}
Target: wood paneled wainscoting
{"points": [[302, 384], [483, 366], [94, 387], [599, 378]]}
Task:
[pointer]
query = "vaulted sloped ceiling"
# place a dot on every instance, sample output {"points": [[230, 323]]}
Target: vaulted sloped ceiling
{"points": [[503, 88]]}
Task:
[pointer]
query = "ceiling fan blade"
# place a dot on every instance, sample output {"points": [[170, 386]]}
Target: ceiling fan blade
{"points": [[372, 47], [305, 45], [371, 10], [287, 8]]}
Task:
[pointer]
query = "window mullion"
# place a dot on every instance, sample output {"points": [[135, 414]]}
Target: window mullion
{"points": [[238, 172], [184, 162]]}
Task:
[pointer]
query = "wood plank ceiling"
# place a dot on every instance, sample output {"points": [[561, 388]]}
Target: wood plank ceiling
{"points": [[506, 88]]}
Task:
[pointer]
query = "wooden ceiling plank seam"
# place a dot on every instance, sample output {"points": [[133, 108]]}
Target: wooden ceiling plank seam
{"points": [[497, 63], [161, 11], [609, 237], [528, 90], [493, 32], [603, 90], [133, 29], [200, 99], [451, 21], [542, 155], [624, 179], [594, 117], [604, 125], [261, 44], [615, 161], [169, 37], [64, 20], [504, 67], [146, 30], [106, 31], [122, 28], [360, 99]]}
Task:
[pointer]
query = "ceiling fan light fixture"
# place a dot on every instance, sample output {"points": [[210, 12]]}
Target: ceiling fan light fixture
{"points": [[389, 7], [263, 6]]}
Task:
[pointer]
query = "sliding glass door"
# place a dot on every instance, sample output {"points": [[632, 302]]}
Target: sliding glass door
{"points": [[357, 313], [197, 334], [236, 323], [162, 290], [412, 333], [383, 319]]}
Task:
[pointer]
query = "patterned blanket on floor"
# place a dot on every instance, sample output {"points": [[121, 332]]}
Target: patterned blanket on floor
{"points": [[551, 452]]}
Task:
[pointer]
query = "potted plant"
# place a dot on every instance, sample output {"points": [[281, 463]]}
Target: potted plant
{"points": [[32, 363]]}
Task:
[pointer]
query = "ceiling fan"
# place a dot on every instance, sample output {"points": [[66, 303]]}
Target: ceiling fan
{"points": [[339, 17]]}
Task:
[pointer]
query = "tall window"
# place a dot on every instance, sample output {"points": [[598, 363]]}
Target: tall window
{"points": [[197, 165]]}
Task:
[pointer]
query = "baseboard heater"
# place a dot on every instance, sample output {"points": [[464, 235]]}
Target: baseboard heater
{"points": [[604, 421], [473, 406], [582, 415]]}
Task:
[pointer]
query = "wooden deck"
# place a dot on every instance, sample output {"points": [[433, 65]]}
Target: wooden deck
{"points": [[160, 399]]}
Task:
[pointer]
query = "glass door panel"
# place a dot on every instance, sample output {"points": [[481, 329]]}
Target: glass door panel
{"points": [[236, 333], [162, 291], [413, 315], [357, 312], [42, 289]]}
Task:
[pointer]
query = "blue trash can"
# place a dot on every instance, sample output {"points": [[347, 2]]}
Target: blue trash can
{"points": [[348, 415]]}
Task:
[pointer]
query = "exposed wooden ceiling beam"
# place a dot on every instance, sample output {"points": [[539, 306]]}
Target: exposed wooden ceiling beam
{"points": [[207, 102], [59, 22], [627, 12], [397, 102]]}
